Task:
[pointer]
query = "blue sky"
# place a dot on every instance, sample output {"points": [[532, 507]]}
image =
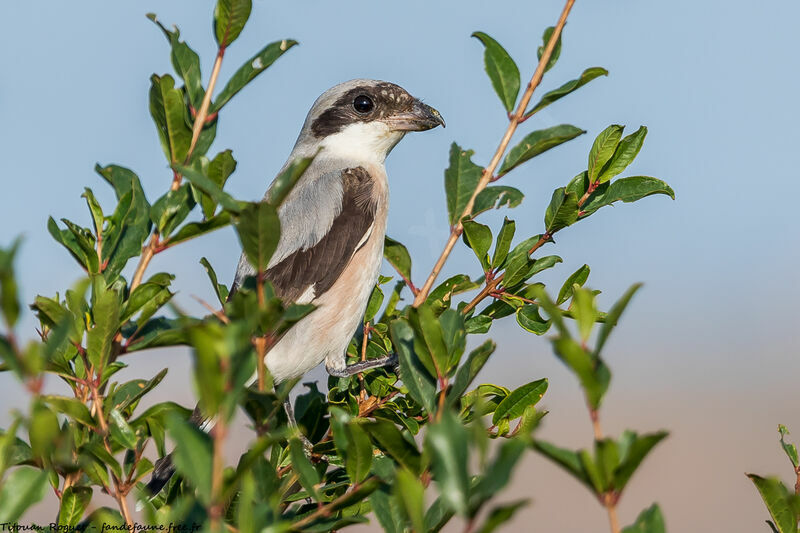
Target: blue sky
{"points": [[713, 332]]}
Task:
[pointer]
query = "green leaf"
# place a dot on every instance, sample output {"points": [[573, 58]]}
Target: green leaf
{"points": [[602, 149], [9, 301], [186, 63], [171, 209], [391, 442], [625, 153], [69, 241], [374, 304], [515, 403], [782, 505], [496, 197], [502, 70], [498, 473], [195, 229], [592, 372], [562, 210], [308, 476], [467, 373], [479, 238], [612, 317], [219, 170], [287, 179], [429, 342], [95, 210], [460, 181], [421, 386], [106, 316], [207, 185], [411, 494], [500, 515], [168, 110], [627, 190], [358, 459], [649, 521], [538, 142], [219, 289], [230, 16], [397, 255], [193, 458], [529, 319], [556, 94], [578, 278], [259, 231], [21, 489], [503, 244], [251, 68], [121, 431], [633, 457], [130, 392], [446, 442], [129, 225], [788, 448], [71, 407], [74, 501], [584, 311], [566, 459], [548, 33]]}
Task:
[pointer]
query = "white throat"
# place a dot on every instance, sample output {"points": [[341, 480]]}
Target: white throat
{"points": [[363, 141]]}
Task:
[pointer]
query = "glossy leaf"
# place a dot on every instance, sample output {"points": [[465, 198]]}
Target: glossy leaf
{"points": [[460, 181], [502, 70], [168, 110], [515, 403], [562, 210], [602, 149], [495, 197], [627, 190], [783, 505], [21, 489], [626, 152], [578, 278], [220, 289], [788, 448], [538, 142], [503, 244], [185, 61], [391, 441], [556, 94], [500, 515], [479, 238], [548, 34], [106, 313], [205, 184], [649, 521], [358, 459], [411, 494], [446, 441], [194, 457], [308, 476], [230, 16], [468, 371], [259, 231], [529, 319], [415, 377], [195, 229], [219, 170], [397, 255], [250, 69], [74, 501]]}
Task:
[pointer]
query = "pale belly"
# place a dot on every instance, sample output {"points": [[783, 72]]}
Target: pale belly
{"points": [[325, 333]]}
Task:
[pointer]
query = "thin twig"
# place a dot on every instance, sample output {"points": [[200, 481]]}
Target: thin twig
{"points": [[488, 172], [324, 510]]}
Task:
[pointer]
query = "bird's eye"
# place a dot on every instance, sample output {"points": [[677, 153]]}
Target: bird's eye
{"points": [[363, 104]]}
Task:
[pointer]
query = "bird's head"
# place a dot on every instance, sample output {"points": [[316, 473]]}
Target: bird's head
{"points": [[365, 119]]}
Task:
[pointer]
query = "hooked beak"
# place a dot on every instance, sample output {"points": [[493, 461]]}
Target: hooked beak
{"points": [[421, 117]]}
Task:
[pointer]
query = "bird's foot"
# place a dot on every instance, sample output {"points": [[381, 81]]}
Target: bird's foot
{"points": [[355, 368]]}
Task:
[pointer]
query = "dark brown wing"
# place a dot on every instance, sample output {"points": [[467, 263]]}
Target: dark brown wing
{"points": [[321, 265]]}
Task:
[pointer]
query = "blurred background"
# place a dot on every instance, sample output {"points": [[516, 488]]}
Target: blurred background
{"points": [[708, 347]]}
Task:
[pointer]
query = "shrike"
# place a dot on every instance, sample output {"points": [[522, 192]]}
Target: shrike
{"points": [[333, 224]]}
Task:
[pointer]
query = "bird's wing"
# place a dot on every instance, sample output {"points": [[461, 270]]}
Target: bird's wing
{"points": [[323, 224]]}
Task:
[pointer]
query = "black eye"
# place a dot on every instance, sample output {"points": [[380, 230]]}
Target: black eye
{"points": [[363, 104]]}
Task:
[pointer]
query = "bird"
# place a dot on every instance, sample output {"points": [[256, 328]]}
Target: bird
{"points": [[333, 222], [332, 229]]}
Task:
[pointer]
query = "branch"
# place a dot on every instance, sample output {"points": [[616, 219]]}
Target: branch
{"points": [[324, 510], [488, 172]]}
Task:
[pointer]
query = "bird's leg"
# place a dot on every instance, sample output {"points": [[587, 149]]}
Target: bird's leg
{"points": [[355, 368], [307, 444]]}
